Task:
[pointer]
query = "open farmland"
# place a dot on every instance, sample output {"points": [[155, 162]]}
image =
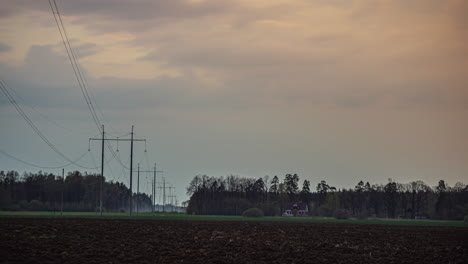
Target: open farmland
{"points": [[73, 240]]}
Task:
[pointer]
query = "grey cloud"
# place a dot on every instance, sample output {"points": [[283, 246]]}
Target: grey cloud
{"points": [[86, 49], [4, 47], [230, 57], [327, 39], [122, 15], [144, 9], [10, 8], [5, 12], [46, 80]]}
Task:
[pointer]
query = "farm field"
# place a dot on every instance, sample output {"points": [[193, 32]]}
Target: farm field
{"points": [[180, 216], [88, 240]]}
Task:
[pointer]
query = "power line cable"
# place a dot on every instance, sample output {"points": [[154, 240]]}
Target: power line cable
{"points": [[42, 114], [79, 76], [77, 72], [75, 65], [18, 108], [40, 166], [86, 82]]}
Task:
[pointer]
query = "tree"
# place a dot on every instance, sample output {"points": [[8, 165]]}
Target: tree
{"points": [[233, 194], [322, 189], [81, 192], [305, 193], [259, 186], [306, 186], [360, 191], [419, 197], [274, 184], [332, 203], [259, 189], [441, 186], [390, 191], [291, 184], [441, 209], [359, 187]]}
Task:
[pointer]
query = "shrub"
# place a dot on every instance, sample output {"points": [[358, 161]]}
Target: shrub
{"points": [[122, 210], [13, 207], [363, 215], [326, 211], [36, 205], [270, 209], [341, 214], [252, 212], [466, 219], [23, 204]]}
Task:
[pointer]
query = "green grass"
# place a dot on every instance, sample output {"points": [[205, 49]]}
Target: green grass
{"points": [[175, 216]]}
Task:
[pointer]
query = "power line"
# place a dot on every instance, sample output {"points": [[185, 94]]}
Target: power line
{"points": [[18, 108], [72, 58], [34, 109], [80, 77], [78, 74], [42, 167]]}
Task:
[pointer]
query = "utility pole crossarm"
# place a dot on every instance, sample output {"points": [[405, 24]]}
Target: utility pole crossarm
{"points": [[148, 171], [117, 139]]}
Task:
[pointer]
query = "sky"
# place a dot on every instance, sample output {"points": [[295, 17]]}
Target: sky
{"points": [[335, 90]]}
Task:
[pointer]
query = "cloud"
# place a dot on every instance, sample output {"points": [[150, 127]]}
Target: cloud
{"points": [[85, 49], [333, 88], [322, 52], [50, 82], [138, 15], [4, 47]]}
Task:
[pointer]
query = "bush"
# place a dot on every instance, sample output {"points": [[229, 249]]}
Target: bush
{"points": [[13, 207], [270, 209], [252, 212], [23, 204], [466, 219], [36, 205], [122, 210], [324, 210], [362, 215], [341, 214]]}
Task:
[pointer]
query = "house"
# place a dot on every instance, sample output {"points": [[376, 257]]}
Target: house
{"points": [[296, 209]]}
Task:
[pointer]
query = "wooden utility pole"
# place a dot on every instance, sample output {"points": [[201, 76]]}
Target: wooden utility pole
{"points": [[138, 189], [164, 194], [131, 163], [102, 172], [154, 186], [63, 186], [101, 188], [131, 173], [171, 195]]}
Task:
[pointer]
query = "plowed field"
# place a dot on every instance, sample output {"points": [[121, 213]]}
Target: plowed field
{"points": [[55, 240]]}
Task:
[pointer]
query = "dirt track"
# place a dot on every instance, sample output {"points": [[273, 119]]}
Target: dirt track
{"points": [[34, 240]]}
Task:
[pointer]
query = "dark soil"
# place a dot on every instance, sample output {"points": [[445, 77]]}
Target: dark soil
{"points": [[38, 240]]}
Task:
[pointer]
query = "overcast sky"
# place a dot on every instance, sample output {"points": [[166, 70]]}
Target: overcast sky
{"points": [[335, 90]]}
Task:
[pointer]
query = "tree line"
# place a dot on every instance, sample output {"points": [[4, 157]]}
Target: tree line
{"points": [[43, 192], [232, 195]]}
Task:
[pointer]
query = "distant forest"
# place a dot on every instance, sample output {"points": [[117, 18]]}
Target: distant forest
{"points": [[43, 192], [233, 195]]}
